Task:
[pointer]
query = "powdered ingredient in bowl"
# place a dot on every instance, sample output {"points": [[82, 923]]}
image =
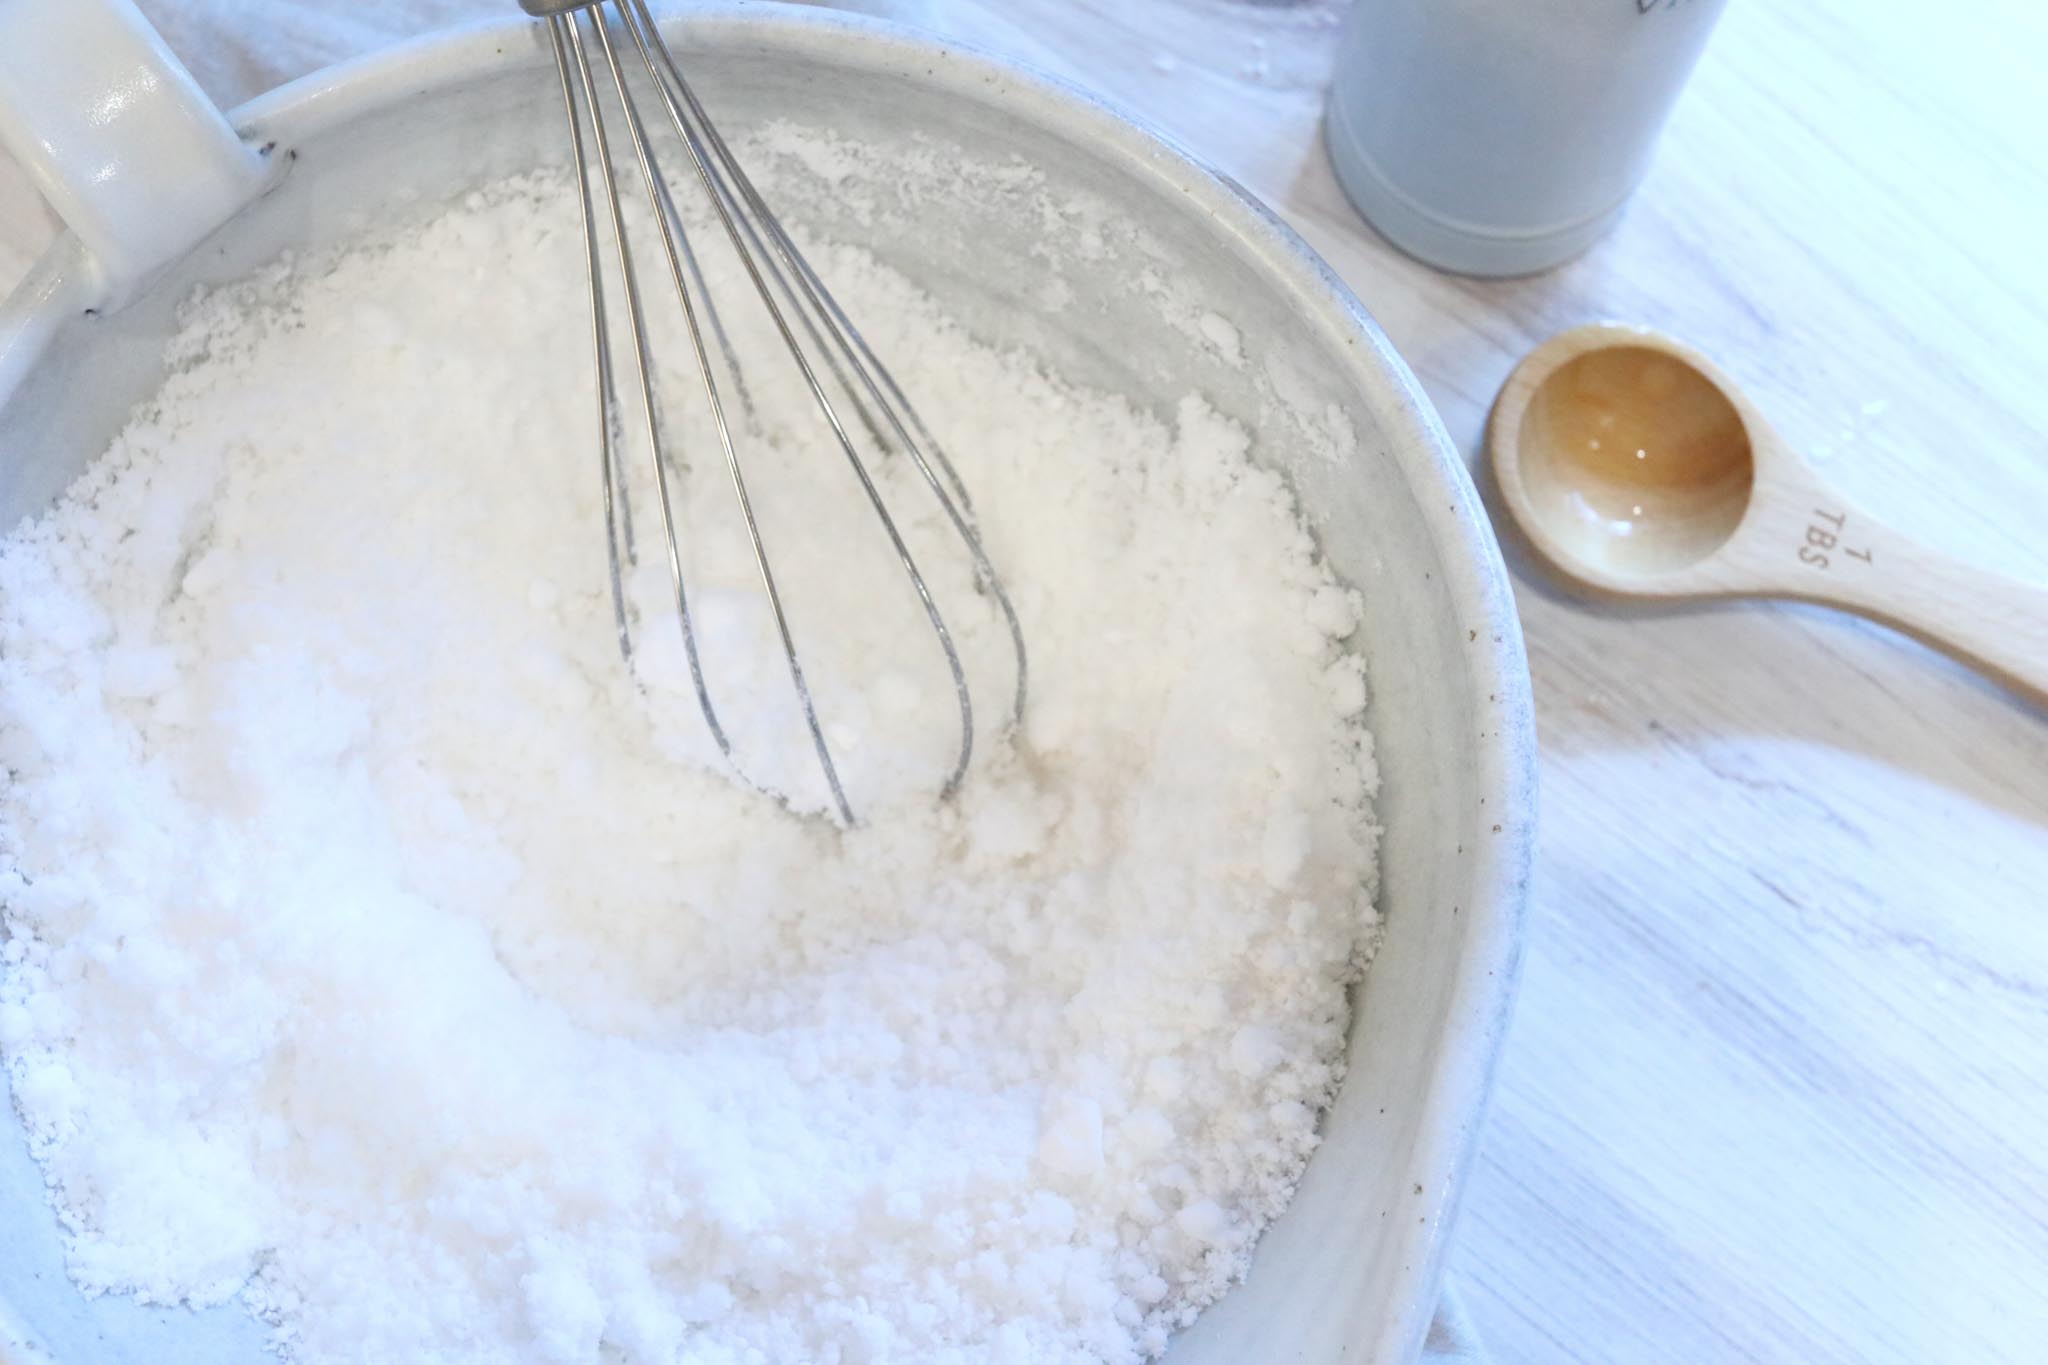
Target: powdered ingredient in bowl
{"points": [[379, 948]]}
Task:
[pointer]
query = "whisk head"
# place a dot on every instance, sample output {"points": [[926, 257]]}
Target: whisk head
{"points": [[848, 384]]}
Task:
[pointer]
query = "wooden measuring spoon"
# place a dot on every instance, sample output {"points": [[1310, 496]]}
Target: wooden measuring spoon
{"points": [[1637, 468]]}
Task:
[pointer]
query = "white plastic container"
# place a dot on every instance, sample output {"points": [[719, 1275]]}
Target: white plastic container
{"points": [[1500, 137]]}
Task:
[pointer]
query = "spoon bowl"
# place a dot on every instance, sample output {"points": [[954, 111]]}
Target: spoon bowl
{"points": [[1637, 468], [1636, 459]]}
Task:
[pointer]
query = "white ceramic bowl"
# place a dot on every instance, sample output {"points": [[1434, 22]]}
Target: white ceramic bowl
{"points": [[1350, 1272]]}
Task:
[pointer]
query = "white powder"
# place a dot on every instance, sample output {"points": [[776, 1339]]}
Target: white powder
{"points": [[380, 949]]}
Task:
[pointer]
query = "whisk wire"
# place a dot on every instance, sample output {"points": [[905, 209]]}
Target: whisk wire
{"points": [[642, 359], [640, 24], [712, 319], [903, 420], [879, 385], [788, 287], [671, 238], [606, 389]]}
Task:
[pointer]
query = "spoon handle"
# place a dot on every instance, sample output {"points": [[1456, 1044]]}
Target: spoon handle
{"points": [[1841, 556]]}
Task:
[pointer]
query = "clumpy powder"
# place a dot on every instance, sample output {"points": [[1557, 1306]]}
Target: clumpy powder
{"points": [[383, 950]]}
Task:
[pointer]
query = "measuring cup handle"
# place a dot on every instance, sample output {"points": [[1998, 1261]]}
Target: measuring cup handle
{"points": [[117, 136]]}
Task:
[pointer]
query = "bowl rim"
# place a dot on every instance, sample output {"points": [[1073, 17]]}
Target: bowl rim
{"points": [[1451, 1110]]}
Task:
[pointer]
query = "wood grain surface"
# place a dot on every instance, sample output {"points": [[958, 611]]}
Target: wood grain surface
{"points": [[1778, 1085]]}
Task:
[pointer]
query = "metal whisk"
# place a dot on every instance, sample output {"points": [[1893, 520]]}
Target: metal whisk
{"points": [[811, 325]]}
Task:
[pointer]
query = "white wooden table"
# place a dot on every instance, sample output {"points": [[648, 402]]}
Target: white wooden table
{"points": [[1778, 1084]]}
